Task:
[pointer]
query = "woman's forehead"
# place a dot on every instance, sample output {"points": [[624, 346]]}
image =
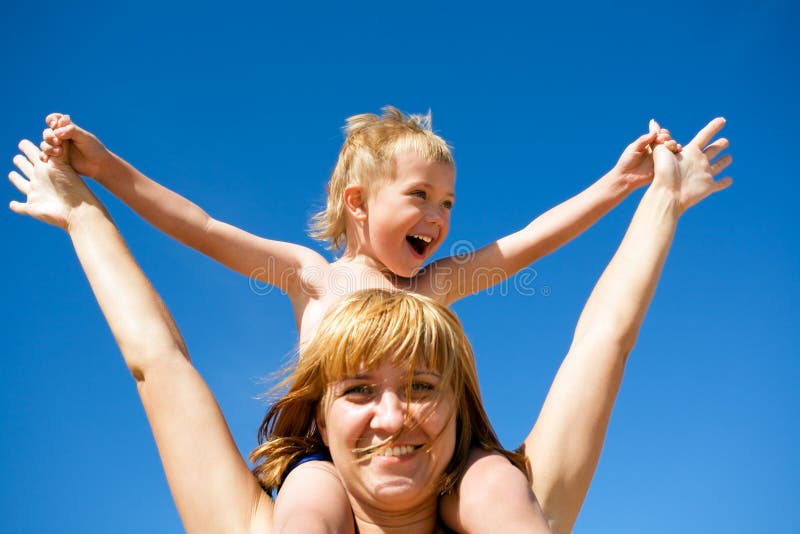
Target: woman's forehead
{"points": [[387, 367]]}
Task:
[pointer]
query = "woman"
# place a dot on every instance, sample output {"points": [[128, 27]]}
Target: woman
{"points": [[213, 488], [387, 388]]}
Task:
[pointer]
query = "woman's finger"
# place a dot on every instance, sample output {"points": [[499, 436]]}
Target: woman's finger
{"points": [[18, 207], [19, 182], [720, 164], [30, 150], [723, 183], [705, 135], [712, 150], [23, 164]]}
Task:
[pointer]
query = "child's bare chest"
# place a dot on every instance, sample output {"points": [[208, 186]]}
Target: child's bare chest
{"points": [[331, 287]]}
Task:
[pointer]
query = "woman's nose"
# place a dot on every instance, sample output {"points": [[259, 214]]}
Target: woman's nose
{"points": [[389, 413]]}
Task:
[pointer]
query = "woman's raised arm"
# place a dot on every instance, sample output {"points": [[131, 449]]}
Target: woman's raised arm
{"points": [[212, 485], [565, 443]]}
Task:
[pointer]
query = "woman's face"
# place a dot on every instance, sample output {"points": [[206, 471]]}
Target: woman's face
{"points": [[365, 411]]}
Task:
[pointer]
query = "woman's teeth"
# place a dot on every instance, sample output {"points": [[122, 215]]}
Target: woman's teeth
{"points": [[398, 451]]}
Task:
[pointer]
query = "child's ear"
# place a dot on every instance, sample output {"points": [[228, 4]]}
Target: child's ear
{"points": [[355, 201]]}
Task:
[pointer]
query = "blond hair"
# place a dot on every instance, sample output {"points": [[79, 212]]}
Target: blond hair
{"points": [[368, 156], [362, 332]]}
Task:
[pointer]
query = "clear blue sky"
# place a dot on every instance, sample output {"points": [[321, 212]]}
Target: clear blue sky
{"points": [[240, 109]]}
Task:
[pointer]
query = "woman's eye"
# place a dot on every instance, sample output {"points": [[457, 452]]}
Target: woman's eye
{"points": [[359, 390], [419, 194], [421, 388]]}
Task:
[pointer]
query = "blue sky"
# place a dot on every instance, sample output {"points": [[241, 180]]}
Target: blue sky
{"points": [[240, 109]]}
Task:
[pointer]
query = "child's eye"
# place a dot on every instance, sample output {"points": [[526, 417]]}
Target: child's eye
{"points": [[447, 204]]}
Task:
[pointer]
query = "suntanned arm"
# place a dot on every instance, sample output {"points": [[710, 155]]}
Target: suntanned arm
{"points": [[564, 445], [454, 278], [212, 485], [275, 262]]}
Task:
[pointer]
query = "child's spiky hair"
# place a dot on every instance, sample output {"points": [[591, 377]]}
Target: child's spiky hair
{"points": [[368, 156]]}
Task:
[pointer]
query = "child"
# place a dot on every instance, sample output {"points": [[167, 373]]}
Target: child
{"points": [[388, 207]]}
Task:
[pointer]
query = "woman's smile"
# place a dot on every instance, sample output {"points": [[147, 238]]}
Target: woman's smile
{"points": [[391, 434]]}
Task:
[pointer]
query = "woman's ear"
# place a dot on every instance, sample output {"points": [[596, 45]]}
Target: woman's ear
{"points": [[323, 432], [355, 202]]}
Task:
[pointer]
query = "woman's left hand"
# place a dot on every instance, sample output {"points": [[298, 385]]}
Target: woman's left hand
{"points": [[690, 174], [52, 188]]}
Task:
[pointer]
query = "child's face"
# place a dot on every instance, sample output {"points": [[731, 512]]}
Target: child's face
{"points": [[408, 217]]}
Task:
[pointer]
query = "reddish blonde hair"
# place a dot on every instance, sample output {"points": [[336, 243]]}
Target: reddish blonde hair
{"points": [[363, 331]]}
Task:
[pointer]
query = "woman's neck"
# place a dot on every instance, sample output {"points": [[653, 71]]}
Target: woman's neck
{"points": [[422, 519]]}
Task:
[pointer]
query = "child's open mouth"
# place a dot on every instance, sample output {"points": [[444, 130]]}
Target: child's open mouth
{"points": [[419, 243]]}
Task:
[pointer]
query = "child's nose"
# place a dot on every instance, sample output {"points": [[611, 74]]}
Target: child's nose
{"points": [[436, 215]]}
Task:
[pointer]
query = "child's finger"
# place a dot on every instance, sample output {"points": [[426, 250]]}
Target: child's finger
{"points": [[50, 136], [643, 141], [663, 138], [52, 119], [66, 132], [712, 150], [64, 120], [672, 145], [48, 149], [19, 182]]}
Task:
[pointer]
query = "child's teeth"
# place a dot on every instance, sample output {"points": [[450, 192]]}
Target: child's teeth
{"points": [[424, 238]]}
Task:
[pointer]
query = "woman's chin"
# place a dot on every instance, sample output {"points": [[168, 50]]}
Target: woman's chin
{"points": [[402, 493]]}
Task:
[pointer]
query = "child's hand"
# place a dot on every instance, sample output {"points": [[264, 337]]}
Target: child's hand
{"points": [[690, 174], [635, 166], [52, 188], [88, 156]]}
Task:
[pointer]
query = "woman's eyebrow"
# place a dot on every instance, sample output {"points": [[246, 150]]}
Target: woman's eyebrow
{"points": [[359, 376], [428, 373]]}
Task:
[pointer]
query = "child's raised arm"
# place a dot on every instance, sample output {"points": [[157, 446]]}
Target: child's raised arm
{"points": [[458, 277], [211, 484], [275, 262], [564, 445]]}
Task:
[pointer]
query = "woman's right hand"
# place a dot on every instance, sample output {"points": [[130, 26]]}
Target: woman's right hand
{"points": [[52, 188], [690, 174]]}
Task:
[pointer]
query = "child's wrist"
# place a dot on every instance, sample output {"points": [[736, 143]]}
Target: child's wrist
{"points": [[108, 168], [619, 183]]}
